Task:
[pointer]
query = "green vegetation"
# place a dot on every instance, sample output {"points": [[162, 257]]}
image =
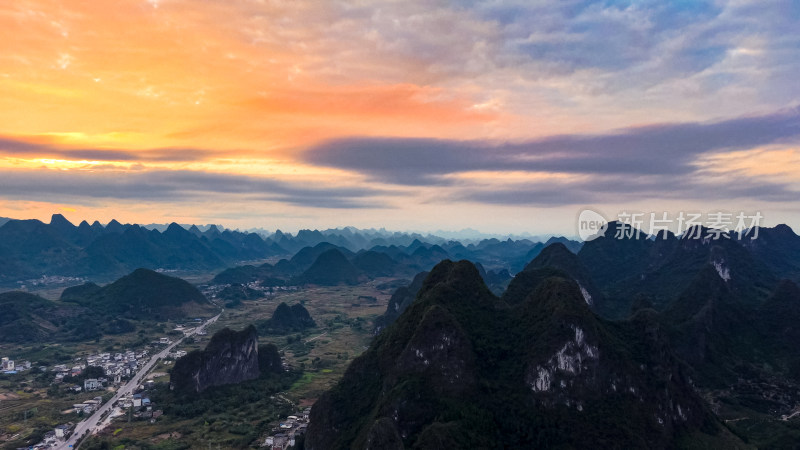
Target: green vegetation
{"points": [[143, 294], [662, 269], [264, 275], [18, 322], [30, 407], [325, 355], [375, 264], [401, 299], [234, 294], [319, 358], [304, 381], [331, 268], [30, 319], [231, 416], [287, 319], [457, 368]]}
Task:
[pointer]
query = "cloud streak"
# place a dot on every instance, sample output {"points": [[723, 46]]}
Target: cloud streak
{"points": [[686, 189], [668, 149], [176, 186], [32, 148]]}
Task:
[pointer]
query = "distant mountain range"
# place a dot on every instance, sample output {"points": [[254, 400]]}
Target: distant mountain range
{"points": [[326, 264], [30, 249]]}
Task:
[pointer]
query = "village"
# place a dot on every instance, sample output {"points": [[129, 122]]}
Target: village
{"points": [[137, 403], [112, 371], [116, 367], [9, 367], [211, 291], [50, 281], [288, 431], [109, 376]]}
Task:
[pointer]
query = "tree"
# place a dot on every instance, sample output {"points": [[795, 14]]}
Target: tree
{"points": [[93, 372]]}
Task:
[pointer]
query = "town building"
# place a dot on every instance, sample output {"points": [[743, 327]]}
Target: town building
{"points": [[92, 384]]}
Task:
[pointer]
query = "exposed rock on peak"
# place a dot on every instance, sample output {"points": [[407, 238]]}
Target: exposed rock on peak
{"points": [[459, 368]]}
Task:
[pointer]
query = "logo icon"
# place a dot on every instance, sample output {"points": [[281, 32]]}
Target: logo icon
{"points": [[591, 225]]}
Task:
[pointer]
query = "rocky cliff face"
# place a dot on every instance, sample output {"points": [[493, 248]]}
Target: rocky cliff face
{"points": [[461, 368], [230, 357]]}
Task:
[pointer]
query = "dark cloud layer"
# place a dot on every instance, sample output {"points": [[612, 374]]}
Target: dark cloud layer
{"points": [[669, 149], [170, 186], [658, 161], [18, 147], [603, 189]]}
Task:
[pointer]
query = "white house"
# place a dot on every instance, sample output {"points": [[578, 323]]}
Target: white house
{"points": [[92, 384], [8, 364], [61, 431]]}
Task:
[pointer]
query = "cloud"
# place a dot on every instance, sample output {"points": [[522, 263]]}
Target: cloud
{"points": [[177, 185], [667, 149], [609, 36], [654, 40], [665, 161], [602, 189], [34, 147]]}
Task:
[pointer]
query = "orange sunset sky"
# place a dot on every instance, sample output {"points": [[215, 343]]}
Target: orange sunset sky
{"points": [[506, 117]]}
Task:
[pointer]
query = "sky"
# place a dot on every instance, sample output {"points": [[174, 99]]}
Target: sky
{"points": [[501, 116]]}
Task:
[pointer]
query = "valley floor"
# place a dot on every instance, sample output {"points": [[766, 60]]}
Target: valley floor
{"points": [[319, 356]]}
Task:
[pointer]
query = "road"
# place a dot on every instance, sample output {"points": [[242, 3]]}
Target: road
{"points": [[316, 337], [790, 416], [90, 424]]}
